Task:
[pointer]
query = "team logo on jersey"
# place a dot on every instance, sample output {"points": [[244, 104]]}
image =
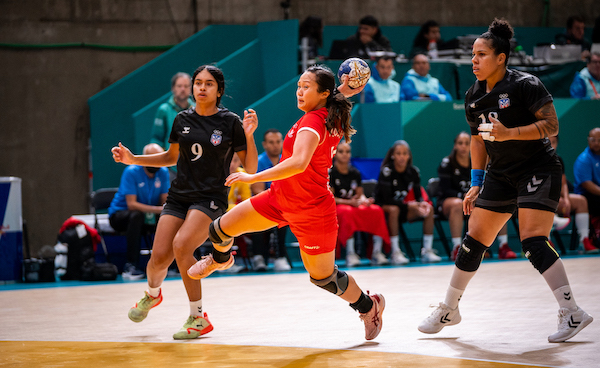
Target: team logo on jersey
{"points": [[186, 130], [216, 137], [504, 101], [387, 171]]}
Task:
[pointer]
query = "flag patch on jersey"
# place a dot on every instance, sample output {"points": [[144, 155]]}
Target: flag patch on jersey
{"points": [[216, 137], [503, 103]]}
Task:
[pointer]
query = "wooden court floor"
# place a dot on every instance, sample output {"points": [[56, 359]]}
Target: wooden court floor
{"points": [[282, 320]]}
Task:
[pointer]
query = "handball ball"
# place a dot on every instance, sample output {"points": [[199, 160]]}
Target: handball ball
{"points": [[358, 71]]}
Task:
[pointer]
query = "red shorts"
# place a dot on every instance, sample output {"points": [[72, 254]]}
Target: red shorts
{"points": [[316, 229], [369, 219]]}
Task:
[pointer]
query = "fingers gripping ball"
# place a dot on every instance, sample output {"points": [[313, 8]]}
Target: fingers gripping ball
{"points": [[358, 71]]}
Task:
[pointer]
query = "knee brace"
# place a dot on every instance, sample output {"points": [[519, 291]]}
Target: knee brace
{"points": [[216, 235], [470, 254], [539, 252], [337, 283]]}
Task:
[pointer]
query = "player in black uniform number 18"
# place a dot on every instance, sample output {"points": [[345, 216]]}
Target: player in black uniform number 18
{"points": [[511, 115], [203, 140]]}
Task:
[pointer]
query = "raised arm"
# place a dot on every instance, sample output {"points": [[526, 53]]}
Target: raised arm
{"points": [[168, 158]]}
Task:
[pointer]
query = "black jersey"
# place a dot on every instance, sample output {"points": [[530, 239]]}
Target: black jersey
{"points": [[344, 185], [393, 187], [514, 101], [206, 147], [455, 180]]}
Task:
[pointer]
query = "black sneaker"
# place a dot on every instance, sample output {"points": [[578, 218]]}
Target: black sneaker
{"points": [[132, 273]]}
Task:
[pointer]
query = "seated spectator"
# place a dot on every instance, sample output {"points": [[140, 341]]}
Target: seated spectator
{"points": [[381, 87], [139, 199], [587, 176], [311, 28], [368, 38], [418, 84], [355, 211], [574, 35], [427, 41], [571, 203], [261, 242], [402, 198], [586, 84]]}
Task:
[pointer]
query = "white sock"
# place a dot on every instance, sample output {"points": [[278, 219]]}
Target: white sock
{"points": [[453, 296], [564, 297], [582, 220], [456, 242], [350, 246], [395, 243], [428, 241], [196, 308], [503, 239], [154, 292]]}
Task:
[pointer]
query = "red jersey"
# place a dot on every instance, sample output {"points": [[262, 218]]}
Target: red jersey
{"points": [[310, 188]]}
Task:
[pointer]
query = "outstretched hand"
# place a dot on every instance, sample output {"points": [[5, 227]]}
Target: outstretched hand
{"points": [[345, 89], [122, 154], [241, 177], [250, 121]]}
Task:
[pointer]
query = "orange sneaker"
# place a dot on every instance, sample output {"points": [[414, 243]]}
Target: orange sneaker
{"points": [[504, 252], [207, 265], [588, 247], [140, 310], [194, 327]]}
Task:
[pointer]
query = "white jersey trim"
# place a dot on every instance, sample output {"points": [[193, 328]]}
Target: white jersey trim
{"points": [[310, 130]]}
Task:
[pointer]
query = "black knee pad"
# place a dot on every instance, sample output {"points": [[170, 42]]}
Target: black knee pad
{"points": [[470, 254], [336, 284], [216, 235], [539, 252]]}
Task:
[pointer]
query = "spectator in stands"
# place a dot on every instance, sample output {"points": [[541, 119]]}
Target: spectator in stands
{"points": [[140, 198], [311, 28], [586, 84], [575, 35], [368, 38], [571, 203], [427, 41], [587, 173], [181, 89], [382, 88], [272, 144], [418, 84], [401, 196], [355, 211]]}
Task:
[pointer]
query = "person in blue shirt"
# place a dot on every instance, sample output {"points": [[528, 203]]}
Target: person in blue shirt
{"points": [[140, 198], [381, 87], [418, 84], [587, 173], [586, 83]]}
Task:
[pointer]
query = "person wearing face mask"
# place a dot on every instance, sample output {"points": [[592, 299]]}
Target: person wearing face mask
{"points": [[141, 195]]}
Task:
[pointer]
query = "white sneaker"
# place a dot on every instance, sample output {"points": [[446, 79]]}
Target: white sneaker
{"points": [[258, 263], [352, 260], [398, 258], [281, 264], [233, 269], [379, 259], [561, 222], [441, 317], [429, 256], [569, 324]]}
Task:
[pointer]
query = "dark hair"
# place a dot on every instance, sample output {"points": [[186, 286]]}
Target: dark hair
{"points": [[452, 155], [572, 19], [177, 76], [499, 33], [388, 156], [338, 107], [420, 39], [269, 131], [384, 58], [217, 74], [312, 27], [369, 20]]}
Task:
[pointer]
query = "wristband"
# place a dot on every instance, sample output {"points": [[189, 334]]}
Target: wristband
{"points": [[477, 177]]}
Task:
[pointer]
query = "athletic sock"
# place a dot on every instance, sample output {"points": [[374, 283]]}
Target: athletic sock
{"points": [[395, 243], [377, 244], [221, 257], [456, 242], [363, 304], [503, 239], [582, 220], [564, 297], [428, 241], [196, 308], [453, 296], [350, 246], [154, 292]]}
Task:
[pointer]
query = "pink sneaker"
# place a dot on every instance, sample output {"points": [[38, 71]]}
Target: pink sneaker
{"points": [[207, 265], [372, 318]]}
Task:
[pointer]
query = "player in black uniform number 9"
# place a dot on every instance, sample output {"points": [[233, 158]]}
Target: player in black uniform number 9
{"points": [[203, 140], [511, 115]]}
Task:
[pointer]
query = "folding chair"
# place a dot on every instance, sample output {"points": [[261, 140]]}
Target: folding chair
{"points": [[432, 190]]}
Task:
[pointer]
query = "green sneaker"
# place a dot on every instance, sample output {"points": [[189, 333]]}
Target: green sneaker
{"points": [[139, 312], [194, 327]]}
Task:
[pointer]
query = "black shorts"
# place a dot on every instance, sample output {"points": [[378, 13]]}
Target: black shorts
{"points": [[538, 189], [212, 209]]}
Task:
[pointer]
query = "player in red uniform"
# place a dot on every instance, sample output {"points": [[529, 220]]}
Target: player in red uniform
{"points": [[299, 196]]}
